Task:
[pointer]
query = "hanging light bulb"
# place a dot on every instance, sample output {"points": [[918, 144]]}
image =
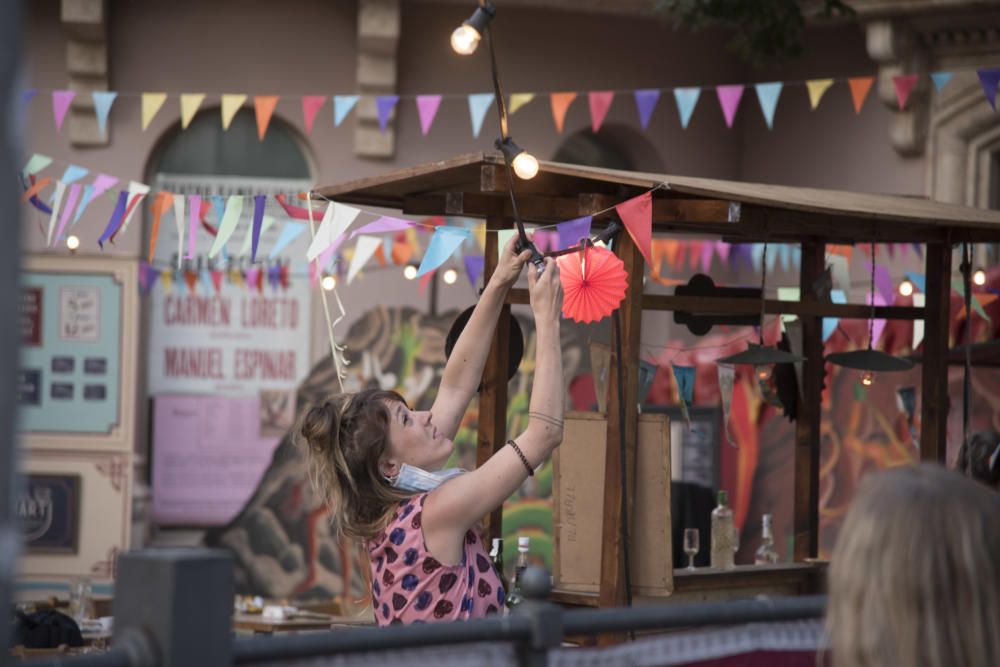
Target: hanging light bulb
{"points": [[73, 242], [979, 277], [868, 378], [524, 163], [450, 276], [763, 372], [466, 37], [329, 282], [906, 287], [410, 272]]}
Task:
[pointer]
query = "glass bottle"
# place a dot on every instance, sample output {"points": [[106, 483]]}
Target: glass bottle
{"points": [[514, 597], [496, 555], [766, 555], [723, 535]]}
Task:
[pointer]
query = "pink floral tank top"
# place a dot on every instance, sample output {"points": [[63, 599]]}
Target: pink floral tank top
{"points": [[409, 585]]}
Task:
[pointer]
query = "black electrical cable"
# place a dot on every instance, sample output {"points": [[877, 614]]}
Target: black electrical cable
{"points": [[967, 280]]}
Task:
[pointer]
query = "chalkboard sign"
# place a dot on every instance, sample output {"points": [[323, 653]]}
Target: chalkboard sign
{"points": [[48, 511]]}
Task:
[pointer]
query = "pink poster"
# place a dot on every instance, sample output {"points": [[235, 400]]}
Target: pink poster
{"points": [[208, 454]]}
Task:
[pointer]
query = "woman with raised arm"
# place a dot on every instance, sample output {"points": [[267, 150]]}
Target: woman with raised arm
{"points": [[379, 465]]}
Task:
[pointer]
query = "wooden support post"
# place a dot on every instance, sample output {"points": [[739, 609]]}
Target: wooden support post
{"points": [[810, 410], [493, 398], [934, 390], [612, 555]]}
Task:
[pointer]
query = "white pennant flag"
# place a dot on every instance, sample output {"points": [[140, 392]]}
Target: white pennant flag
{"points": [[57, 200], [179, 221], [727, 377], [231, 218], [363, 251], [335, 222], [919, 301], [134, 189]]}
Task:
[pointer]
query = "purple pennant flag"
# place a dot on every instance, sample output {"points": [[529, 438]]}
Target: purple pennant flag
{"points": [[382, 225], [545, 240], [729, 100], [707, 248], [474, 268], [147, 277], [116, 218], [274, 276], [61, 99], [259, 201], [645, 102], [989, 79], [883, 281], [571, 231], [384, 104], [427, 108], [28, 95]]}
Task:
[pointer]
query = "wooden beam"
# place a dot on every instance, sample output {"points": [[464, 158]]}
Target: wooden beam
{"points": [[809, 411], [493, 398], [934, 389]]}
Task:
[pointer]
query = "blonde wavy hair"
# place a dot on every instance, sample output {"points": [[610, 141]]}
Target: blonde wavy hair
{"points": [[915, 574]]}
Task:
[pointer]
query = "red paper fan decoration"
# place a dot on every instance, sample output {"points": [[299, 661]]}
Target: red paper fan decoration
{"points": [[593, 281]]}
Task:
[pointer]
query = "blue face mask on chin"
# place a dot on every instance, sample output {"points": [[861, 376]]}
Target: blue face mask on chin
{"points": [[418, 480]]}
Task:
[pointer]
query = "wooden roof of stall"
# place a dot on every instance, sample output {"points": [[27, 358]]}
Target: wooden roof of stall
{"points": [[475, 185]]}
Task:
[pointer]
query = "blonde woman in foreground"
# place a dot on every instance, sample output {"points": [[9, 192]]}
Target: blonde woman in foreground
{"points": [[915, 575]]}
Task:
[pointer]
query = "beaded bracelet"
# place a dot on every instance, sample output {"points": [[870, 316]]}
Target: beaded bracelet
{"points": [[524, 460]]}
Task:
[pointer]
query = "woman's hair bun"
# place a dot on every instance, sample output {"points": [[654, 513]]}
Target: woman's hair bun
{"points": [[320, 424]]}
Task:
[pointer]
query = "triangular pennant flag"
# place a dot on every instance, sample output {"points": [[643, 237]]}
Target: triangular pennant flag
{"points": [[384, 105], [36, 163], [883, 281], [67, 208], [167, 280], [919, 301], [194, 218], [332, 229], [115, 220], [311, 104], [231, 103], [190, 102], [560, 105], [919, 280], [263, 107], [600, 103], [479, 104], [151, 104], [257, 224], [904, 86], [518, 100], [941, 79], [248, 238], [860, 85], [382, 225], [61, 99], [645, 102], [219, 204], [443, 244], [474, 268], [685, 389], [989, 79], [191, 278], [291, 231], [103, 99], [28, 95], [727, 378], [136, 192], [54, 216], [216, 276], [817, 88], [179, 202], [729, 100], [503, 238], [427, 108], [230, 219], [73, 173], [572, 231], [686, 99], [342, 105], [878, 325], [767, 95], [637, 216], [363, 251]]}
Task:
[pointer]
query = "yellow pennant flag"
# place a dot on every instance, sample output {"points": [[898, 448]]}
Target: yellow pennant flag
{"points": [[479, 231], [816, 89], [166, 279], [151, 103], [190, 102], [518, 100], [230, 105]]}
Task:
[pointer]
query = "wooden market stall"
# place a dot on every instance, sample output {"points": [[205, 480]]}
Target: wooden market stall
{"points": [[475, 185]]}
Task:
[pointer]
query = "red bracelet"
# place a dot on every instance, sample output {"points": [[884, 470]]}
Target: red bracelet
{"points": [[524, 459]]}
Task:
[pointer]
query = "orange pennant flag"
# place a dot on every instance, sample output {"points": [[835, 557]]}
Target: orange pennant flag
{"points": [[163, 201], [37, 187], [637, 216], [191, 278], [402, 249], [860, 85], [380, 254], [264, 107], [560, 105]]}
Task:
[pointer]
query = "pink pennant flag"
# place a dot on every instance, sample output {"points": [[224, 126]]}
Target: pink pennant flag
{"points": [[878, 326], [61, 99], [427, 108], [546, 240], [722, 249], [707, 250], [600, 103], [102, 183], [729, 100], [637, 216], [904, 86], [311, 104], [67, 210]]}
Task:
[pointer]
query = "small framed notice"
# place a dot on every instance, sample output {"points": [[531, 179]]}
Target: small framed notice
{"points": [[48, 511]]}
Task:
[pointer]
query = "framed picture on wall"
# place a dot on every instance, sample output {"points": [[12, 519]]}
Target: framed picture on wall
{"points": [[694, 451], [48, 511]]}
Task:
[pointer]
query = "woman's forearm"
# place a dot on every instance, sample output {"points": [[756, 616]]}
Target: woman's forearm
{"points": [[464, 369], [545, 411]]}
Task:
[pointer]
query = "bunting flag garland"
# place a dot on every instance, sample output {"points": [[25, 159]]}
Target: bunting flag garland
{"points": [[115, 219], [151, 104], [384, 106], [685, 389], [767, 95], [311, 104], [572, 231], [600, 103], [136, 193], [427, 108], [103, 99], [989, 79], [560, 103], [479, 104], [941, 79], [860, 86], [190, 103], [637, 216], [883, 281], [382, 225], [263, 107], [227, 224], [443, 244], [248, 238], [256, 224], [332, 229], [54, 216], [342, 105], [904, 86], [817, 88], [518, 100], [645, 103], [729, 100], [230, 105], [194, 214], [363, 251], [727, 379], [686, 99], [67, 210], [474, 265], [61, 99], [291, 231]]}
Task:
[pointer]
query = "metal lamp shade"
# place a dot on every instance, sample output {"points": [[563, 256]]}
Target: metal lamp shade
{"points": [[870, 360], [761, 355]]}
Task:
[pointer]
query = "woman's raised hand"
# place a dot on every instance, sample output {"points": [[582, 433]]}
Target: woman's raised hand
{"points": [[510, 264], [546, 292]]}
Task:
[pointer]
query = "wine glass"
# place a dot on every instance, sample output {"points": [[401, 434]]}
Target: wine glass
{"points": [[691, 545]]}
